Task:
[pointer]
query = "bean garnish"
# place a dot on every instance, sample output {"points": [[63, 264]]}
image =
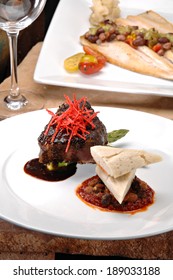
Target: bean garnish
{"points": [[109, 31]]}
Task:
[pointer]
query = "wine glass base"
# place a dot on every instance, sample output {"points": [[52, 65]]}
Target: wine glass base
{"points": [[29, 101], [15, 104]]}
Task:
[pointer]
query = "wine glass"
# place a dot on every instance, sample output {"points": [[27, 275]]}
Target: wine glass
{"points": [[16, 15]]}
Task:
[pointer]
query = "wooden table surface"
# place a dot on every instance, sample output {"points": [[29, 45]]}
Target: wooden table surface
{"points": [[19, 243]]}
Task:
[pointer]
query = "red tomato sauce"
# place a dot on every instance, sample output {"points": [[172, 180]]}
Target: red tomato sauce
{"points": [[95, 194]]}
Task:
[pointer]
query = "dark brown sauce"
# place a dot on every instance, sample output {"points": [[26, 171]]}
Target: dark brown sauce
{"points": [[39, 170]]}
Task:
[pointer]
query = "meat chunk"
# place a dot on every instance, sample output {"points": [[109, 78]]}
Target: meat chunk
{"points": [[59, 143]]}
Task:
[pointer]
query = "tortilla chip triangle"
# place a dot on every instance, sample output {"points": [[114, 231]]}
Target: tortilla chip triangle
{"points": [[117, 161]]}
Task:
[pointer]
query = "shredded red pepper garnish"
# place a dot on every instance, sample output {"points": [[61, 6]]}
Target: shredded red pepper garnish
{"points": [[73, 121]]}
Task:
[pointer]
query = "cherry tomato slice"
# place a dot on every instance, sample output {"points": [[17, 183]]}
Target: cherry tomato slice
{"points": [[88, 58], [157, 47], [71, 63], [100, 57], [89, 68]]}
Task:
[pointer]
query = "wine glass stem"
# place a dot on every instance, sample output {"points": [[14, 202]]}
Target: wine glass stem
{"points": [[14, 91]]}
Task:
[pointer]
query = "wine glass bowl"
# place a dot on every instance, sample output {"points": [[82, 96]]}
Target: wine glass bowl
{"points": [[16, 15]]}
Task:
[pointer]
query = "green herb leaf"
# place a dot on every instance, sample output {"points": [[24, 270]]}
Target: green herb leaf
{"points": [[116, 135]]}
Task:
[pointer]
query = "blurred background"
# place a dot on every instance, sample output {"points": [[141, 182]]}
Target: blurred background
{"points": [[27, 38]]}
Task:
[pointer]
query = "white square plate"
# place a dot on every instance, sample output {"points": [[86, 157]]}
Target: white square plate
{"points": [[70, 21]]}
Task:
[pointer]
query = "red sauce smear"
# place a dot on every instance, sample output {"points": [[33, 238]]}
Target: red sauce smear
{"points": [[73, 121], [94, 193]]}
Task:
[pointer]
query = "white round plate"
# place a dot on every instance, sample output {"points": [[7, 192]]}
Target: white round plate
{"points": [[53, 207]]}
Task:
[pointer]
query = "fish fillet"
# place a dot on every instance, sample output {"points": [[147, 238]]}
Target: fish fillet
{"points": [[169, 55], [151, 19], [141, 60]]}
